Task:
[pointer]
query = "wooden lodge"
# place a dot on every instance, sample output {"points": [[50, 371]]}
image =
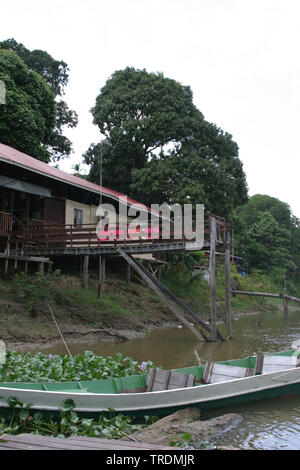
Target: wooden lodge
{"points": [[45, 211]]}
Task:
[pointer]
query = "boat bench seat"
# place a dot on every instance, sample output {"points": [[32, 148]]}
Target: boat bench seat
{"points": [[214, 373], [269, 363], [168, 380]]}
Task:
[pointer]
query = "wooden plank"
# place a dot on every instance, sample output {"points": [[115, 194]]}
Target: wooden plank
{"points": [[37, 442], [266, 294], [133, 444], [168, 380], [269, 363], [292, 361], [215, 373], [25, 258], [259, 363], [290, 297]]}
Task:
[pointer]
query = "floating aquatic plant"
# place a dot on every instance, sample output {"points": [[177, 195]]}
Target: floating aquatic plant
{"points": [[28, 367]]}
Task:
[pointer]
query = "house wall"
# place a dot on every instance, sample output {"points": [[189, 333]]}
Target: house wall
{"points": [[89, 212]]}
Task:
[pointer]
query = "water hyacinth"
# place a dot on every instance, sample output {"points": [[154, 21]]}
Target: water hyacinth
{"points": [[67, 424], [28, 367]]}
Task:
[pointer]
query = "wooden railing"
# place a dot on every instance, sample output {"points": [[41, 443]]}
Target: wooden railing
{"points": [[35, 223], [54, 236], [5, 222]]}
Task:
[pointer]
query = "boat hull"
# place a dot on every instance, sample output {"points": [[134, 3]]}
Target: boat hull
{"points": [[272, 385]]}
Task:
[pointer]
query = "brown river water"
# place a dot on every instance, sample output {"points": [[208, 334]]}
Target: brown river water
{"points": [[273, 424]]}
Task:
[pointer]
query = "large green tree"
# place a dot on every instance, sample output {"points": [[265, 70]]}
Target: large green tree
{"points": [[28, 116], [162, 149], [56, 74], [267, 237], [141, 114]]}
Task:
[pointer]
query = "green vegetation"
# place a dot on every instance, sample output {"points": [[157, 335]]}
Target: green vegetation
{"points": [[27, 367], [161, 148], [34, 116], [195, 290], [32, 289], [68, 423], [267, 237]]}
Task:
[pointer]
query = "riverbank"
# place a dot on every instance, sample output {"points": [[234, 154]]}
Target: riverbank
{"points": [[124, 313]]}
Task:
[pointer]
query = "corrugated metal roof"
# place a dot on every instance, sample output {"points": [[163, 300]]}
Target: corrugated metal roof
{"points": [[15, 157]]}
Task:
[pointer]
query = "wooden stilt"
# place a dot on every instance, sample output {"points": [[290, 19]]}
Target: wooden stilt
{"points": [[85, 272], [228, 285], [41, 268], [286, 307], [101, 275], [103, 267], [7, 252], [16, 261], [128, 274], [212, 279]]}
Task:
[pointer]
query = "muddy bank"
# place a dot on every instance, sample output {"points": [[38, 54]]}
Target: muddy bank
{"points": [[124, 313], [81, 336]]}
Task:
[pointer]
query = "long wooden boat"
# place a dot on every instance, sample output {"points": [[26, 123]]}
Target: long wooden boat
{"points": [[206, 386]]}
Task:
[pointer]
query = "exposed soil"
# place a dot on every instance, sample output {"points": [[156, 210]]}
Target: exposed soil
{"points": [[122, 314]]}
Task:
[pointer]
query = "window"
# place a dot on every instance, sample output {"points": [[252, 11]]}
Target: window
{"points": [[78, 217]]}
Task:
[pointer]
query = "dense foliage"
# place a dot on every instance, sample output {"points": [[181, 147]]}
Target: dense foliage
{"points": [[27, 367], [36, 288], [161, 148], [34, 116], [267, 237], [68, 423]]}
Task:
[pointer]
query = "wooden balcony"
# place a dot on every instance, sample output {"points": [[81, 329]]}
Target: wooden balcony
{"points": [[39, 234]]}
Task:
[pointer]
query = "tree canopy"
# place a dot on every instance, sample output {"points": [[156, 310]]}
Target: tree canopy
{"points": [[162, 149], [267, 237], [28, 116], [51, 144]]}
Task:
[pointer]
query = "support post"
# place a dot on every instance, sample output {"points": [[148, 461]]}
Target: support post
{"points": [[286, 307], [212, 279], [16, 261], [41, 268], [85, 272], [101, 278], [228, 285], [128, 274], [8, 253]]}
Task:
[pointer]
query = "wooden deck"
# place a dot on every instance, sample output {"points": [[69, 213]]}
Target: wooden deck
{"points": [[51, 240], [34, 442]]}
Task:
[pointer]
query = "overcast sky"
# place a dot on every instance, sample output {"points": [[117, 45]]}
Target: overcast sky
{"points": [[240, 58]]}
